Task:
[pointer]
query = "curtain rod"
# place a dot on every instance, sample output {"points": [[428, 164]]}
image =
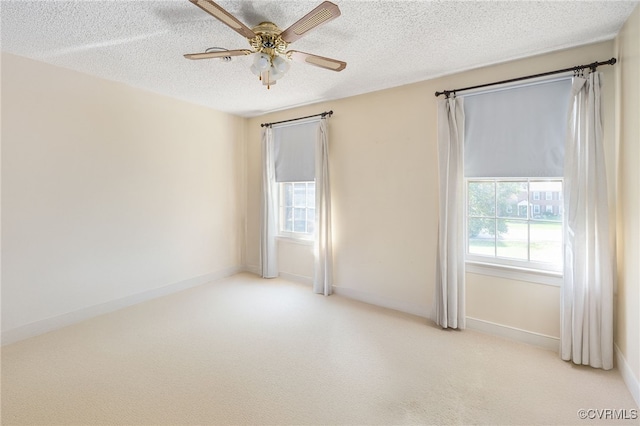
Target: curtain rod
{"points": [[323, 114], [593, 67]]}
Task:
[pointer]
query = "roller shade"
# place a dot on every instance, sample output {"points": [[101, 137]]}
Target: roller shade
{"points": [[294, 146], [517, 132]]}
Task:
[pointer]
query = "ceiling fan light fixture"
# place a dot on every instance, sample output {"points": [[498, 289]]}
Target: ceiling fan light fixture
{"points": [[274, 74], [262, 62], [280, 64]]}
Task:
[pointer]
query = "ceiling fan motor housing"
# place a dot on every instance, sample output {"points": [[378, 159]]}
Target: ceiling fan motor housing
{"points": [[268, 40]]}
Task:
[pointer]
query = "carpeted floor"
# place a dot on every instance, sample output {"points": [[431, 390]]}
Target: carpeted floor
{"points": [[252, 351]]}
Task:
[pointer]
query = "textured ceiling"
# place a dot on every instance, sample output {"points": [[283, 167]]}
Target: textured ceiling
{"points": [[385, 43]]}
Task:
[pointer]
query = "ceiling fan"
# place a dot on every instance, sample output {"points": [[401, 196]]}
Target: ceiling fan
{"points": [[270, 43]]}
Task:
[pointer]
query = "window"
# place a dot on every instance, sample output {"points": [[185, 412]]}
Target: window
{"points": [[504, 226], [514, 140], [297, 209], [294, 167]]}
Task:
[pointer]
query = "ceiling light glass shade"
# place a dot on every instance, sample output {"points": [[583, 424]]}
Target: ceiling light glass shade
{"points": [[280, 64], [269, 68], [262, 62], [274, 74]]}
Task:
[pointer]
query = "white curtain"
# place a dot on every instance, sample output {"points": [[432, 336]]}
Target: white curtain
{"points": [[268, 247], [449, 297], [323, 268], [587, 294]]}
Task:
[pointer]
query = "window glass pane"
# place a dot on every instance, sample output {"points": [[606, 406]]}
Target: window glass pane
{"points": [[287, 220], [551, 207], [546, 241], [299, 194], [311, 217], [482, 236], [481, 199], [287, 194], [311, 194], [516, 221], [513, 239], [510, 197], [299, 220]]}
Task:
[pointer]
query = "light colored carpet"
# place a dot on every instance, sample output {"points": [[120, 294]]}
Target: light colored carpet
{"points": [[251, 351]]}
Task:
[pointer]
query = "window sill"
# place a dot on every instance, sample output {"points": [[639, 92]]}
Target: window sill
{"points": [[295, 240], [514, 273]]}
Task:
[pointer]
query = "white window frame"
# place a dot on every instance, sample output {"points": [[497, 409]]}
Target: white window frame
{"points": [[292, 235], [532, 271]]}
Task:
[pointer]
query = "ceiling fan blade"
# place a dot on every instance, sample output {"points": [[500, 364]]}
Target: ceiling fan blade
{"points": [[322, 14], [319, 61], [223, 54], [219, 13]]}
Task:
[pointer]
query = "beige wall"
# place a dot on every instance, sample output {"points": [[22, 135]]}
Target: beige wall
{"points": [[627, 337], [108, 191], [383, 164]]}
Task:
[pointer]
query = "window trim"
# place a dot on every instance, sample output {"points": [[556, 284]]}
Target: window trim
{"points": [[536, 276], [529, 271], [295, 239]]}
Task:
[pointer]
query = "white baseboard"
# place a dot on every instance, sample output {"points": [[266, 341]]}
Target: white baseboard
{"points": [[49, 324], [410, 308], [512, 333], [632, 382], [296, 278], [253, 269]]}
